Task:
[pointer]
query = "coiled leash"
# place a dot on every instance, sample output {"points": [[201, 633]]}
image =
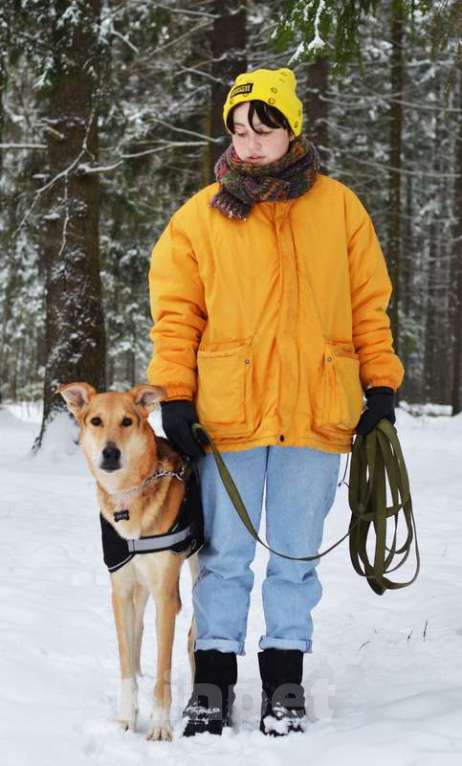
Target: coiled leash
{"points": [[374, 459]]}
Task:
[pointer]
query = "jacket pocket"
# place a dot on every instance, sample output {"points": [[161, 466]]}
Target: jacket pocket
{"points": [[339, 396], [224, 372]]}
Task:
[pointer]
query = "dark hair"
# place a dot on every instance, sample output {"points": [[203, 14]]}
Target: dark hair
{"points": [[268, 115]]}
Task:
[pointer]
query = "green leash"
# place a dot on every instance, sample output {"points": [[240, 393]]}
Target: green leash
{"points": [[375, 458]]}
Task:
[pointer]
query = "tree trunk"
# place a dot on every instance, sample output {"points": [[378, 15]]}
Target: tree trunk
{"points": [[3, 317], [456, 280], [396, 131], [228, 60], [435, 313], [75, 338], [316, 109], [432, 320]]}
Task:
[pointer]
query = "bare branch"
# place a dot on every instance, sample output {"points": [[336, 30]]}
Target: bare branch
{"points": [[189, 33], [390, 169], [188, 12], [354, 106], [165, 145], [183, 130], [125, 40]]}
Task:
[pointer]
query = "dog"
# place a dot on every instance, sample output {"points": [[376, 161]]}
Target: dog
{"points": [[123, 454]]}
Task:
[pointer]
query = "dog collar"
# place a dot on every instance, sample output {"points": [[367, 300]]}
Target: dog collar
{"points": [[182, 475]]}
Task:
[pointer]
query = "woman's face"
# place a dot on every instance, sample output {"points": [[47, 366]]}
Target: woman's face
{"points": [[261, 147]]}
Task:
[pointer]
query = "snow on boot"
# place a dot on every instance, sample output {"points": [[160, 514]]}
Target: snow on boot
{"points": [[210, 706], [283, 700]]}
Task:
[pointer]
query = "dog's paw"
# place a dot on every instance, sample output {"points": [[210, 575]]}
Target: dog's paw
{"points": [[128, 705], [126, 724], [160, 732]]}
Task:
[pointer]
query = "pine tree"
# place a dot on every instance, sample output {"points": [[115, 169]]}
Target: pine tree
{"points": [[69, 196]]}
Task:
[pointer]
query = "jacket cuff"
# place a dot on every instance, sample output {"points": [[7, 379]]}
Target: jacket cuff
{"points": [[176, 392], [379, 390], [382, 382]]}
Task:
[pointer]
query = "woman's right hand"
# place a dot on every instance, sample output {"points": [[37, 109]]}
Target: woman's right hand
{"points": [[177, 418]]}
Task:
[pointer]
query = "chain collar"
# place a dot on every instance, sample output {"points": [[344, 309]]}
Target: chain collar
{"points": [[159, 474]]}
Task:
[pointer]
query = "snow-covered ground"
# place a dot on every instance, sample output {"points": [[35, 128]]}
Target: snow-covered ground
{"points": [[384, 680]]}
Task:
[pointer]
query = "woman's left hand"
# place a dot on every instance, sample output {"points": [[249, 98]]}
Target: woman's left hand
{"points": [[380, 404]]}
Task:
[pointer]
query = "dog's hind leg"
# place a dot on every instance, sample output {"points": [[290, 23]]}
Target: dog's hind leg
{"points": [[123, 586], [193, 562], [141, 596], [192, 635]]}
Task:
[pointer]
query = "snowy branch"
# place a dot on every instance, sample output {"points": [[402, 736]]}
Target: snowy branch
{"points": [[202, 136], [23, 146], [382, 97], [165, 145], [66, 217], [402, 171], [125, 40], [188, 12], [63, 174], [184, 36]]}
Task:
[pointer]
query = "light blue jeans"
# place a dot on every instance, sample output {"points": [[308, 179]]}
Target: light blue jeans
{"points": [[300, 490]]}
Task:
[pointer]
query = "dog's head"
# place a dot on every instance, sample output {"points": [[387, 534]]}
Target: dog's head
{"points": [[115, 434]]}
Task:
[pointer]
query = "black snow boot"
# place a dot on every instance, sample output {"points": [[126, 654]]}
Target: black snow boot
{"points": [[283, 698], [210, 706]]}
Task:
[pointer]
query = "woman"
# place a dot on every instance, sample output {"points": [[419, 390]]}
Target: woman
{"points": [[269, 293]]}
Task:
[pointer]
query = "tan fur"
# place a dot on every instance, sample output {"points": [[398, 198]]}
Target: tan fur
{"points": [[152, 510]]}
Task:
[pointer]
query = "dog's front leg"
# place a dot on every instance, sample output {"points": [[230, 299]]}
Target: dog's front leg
{"points": [[140, 599], [168, 605], [124, 615]]}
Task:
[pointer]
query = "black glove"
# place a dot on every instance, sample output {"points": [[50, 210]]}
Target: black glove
{"points": [[380, 404], [177, 419]]}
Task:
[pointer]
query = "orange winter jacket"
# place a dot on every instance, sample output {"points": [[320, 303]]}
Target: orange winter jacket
{"points": [[274, 325]]}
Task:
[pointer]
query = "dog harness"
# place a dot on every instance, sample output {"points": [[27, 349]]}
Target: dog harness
{"points": [[185, 534]]}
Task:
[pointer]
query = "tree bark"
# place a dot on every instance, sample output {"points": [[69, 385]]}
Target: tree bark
{"points": [[432, 320], [456, 280], [396, 132], [5, 308], [228, 60], [75, 337], [316, 109]]}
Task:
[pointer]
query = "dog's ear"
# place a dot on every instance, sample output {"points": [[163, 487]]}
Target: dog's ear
{"points": [[147, 397], [76, 396]]}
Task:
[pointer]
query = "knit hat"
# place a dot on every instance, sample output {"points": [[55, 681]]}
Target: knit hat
{"points": [[275, 87]]}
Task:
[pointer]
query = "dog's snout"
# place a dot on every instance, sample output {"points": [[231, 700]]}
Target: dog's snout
{"points": [[111, 457], [111, 451]]}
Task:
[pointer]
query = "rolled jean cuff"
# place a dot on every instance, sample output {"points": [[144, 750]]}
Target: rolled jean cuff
{"points": [[222, 644], [286, 643]]}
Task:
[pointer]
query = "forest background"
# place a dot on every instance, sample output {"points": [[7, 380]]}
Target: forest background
{"points": [[111, 117]]}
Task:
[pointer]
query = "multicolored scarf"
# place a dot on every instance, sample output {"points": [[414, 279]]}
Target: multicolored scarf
{"points": [[244, 183]]}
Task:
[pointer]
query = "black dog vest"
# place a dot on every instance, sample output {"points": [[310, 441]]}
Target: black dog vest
{"points": [[186, 533]]}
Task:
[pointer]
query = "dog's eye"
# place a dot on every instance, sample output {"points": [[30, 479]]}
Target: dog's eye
{"points": [[127, 422], [96, 421]]}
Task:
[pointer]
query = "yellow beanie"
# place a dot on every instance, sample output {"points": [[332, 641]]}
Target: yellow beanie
{"points": [[275, 87]]}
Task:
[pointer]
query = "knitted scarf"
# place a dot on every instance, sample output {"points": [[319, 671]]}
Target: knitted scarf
{"points": [[244, 183]]}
